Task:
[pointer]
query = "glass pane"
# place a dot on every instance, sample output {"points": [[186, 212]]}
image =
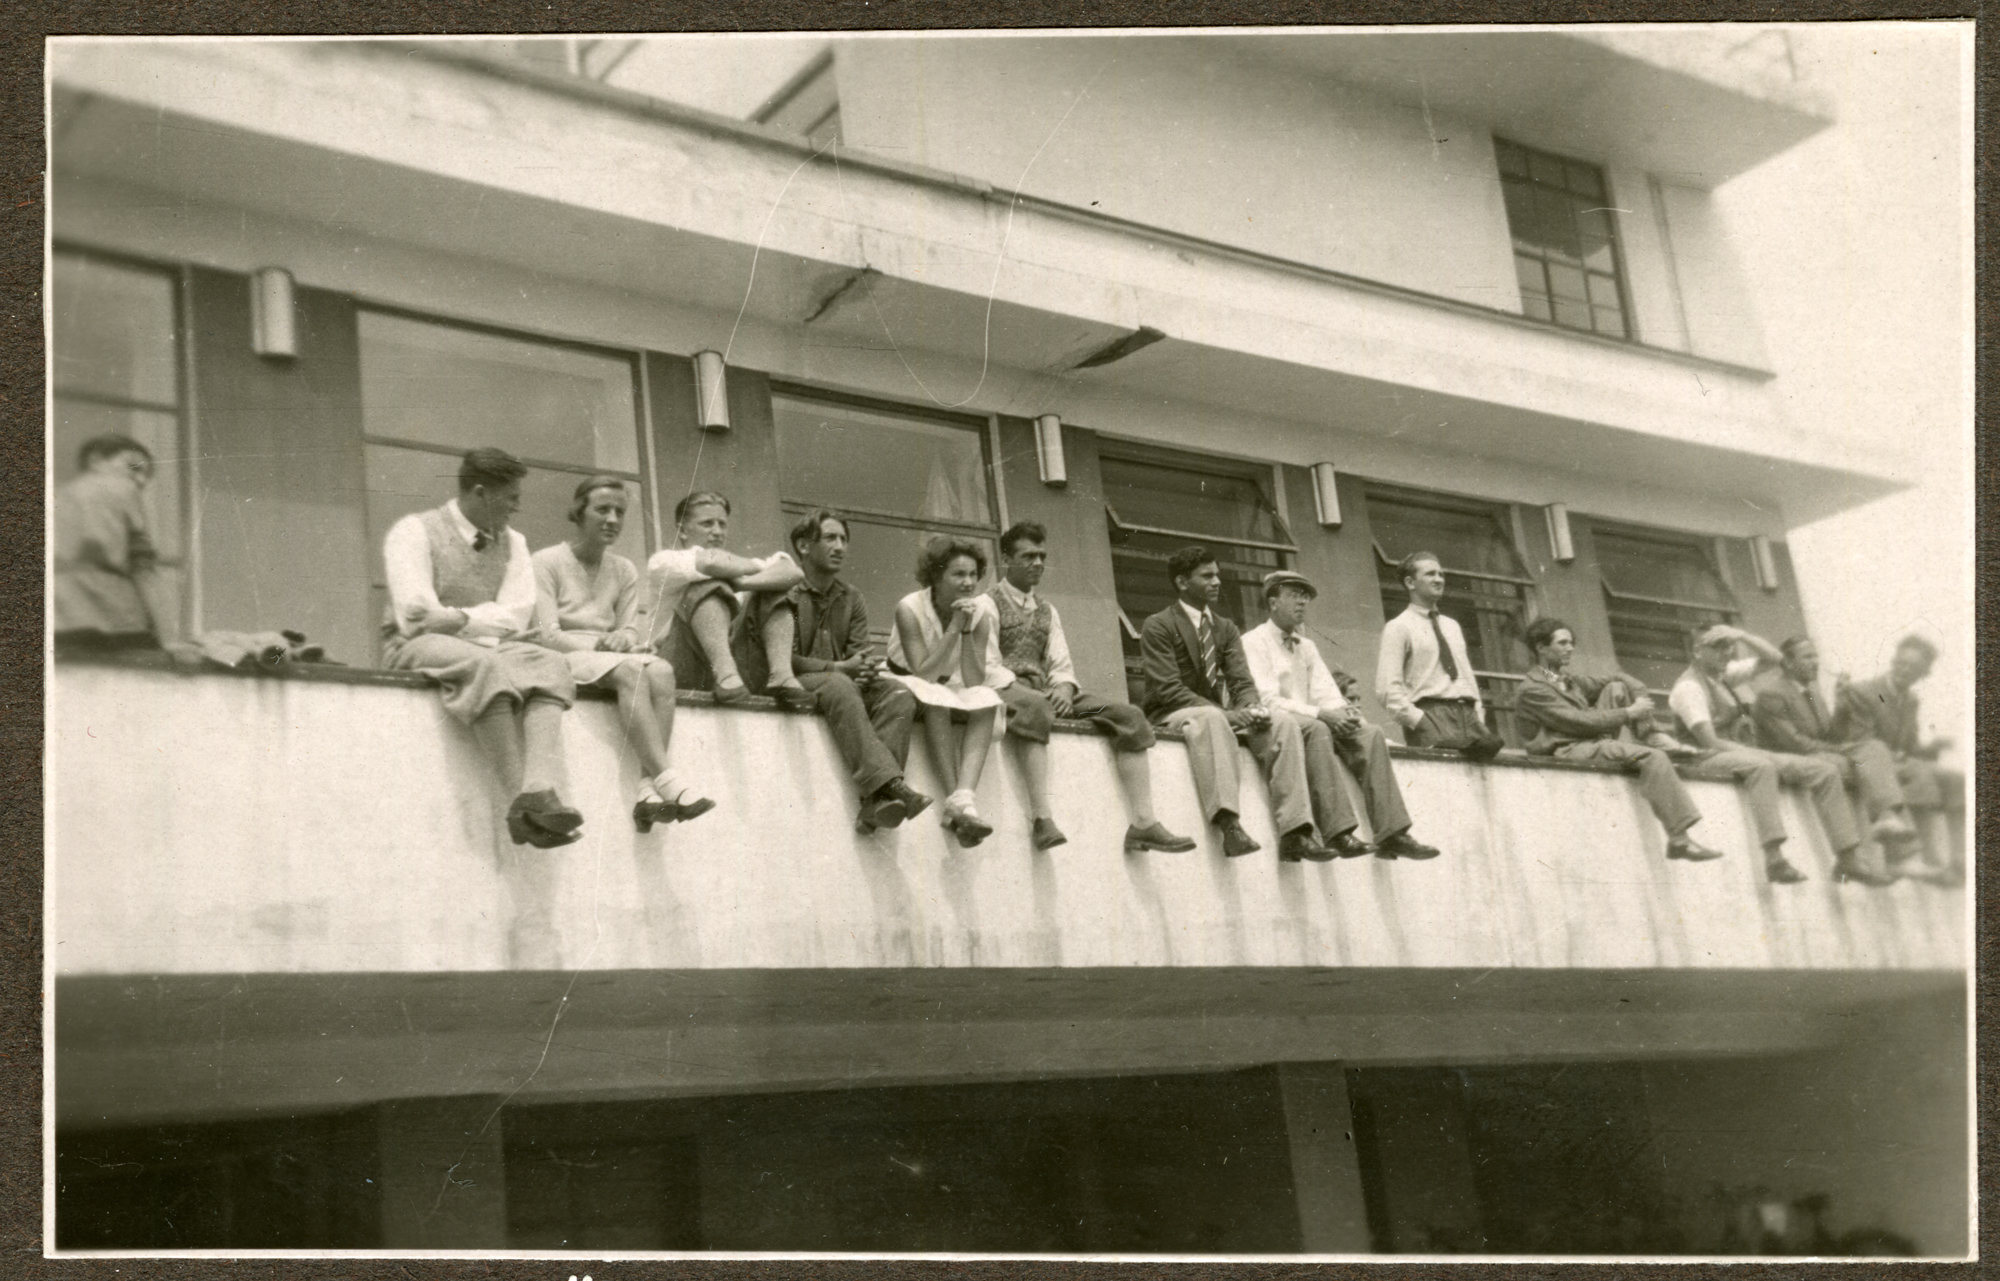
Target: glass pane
{"points": [[1573, 314], [1535, 307], [1556, 225], [1636, 563], [77, 421], [1609, 321], [1464, 541], [859, 459], [1565, 282], [114, 330], [1545, 169], [1510, 158], [460, 388], [1597, 254], [1202, 504], [1585, 180], [1603, 291], [882, 566], [1529, 272], [1594, 224], [401, 481]]}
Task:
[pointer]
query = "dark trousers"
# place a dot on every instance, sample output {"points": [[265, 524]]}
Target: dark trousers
{"points": [[1451, 724], [870, 728]]}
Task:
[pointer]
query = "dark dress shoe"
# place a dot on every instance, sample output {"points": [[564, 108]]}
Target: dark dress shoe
{"points": [[524, 832], [882, 810], [1779, 871], [1348, 845], [1691, 851], [1298, 845], [1155, 837], [1847, 872], [970, 829], [685, 810], [1047, 835], [794, 698], [1403, 845], [725, 696], [914, 802], [645, 813], [545, 810], [1235, 841]]}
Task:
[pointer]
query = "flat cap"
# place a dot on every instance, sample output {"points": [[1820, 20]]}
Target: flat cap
{"points": [[1286, 578]]}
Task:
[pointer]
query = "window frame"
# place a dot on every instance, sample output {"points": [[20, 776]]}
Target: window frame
{"points": [[1620, 275], [186, 562], [1703, 544]]}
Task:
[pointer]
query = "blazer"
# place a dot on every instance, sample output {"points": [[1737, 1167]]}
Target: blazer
{"points": [[1786, 722], [1875, 708], [1170, 654], [1563, 717]]}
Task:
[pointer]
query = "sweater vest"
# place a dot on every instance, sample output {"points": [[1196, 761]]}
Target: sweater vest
{"points": [[1024, 638], [460, 576]]}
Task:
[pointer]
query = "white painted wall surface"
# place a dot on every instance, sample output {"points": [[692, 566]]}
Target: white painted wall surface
{"points": [[216, 825]]}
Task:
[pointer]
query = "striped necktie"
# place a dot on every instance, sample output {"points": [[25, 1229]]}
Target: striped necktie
{"points": [[1211, 671]]}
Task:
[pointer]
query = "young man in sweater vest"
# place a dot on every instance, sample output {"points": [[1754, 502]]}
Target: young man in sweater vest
{"points": [[462, 611], [1033, 647]]}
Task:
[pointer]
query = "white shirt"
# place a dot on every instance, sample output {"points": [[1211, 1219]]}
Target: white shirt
{"points": [[1689, 697], [406, 556], [670, 573], [1060, 670], [1408, 667], [932, 629], [1290, 678]]}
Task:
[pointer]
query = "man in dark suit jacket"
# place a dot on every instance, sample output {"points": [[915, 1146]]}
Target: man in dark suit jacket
{"points": [[1198, 682], [1582, 718], [1884, 708]]}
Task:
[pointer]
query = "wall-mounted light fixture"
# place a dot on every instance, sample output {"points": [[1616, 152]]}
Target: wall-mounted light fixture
{"points": [[1557, 515], [1049, 451], [1766, 561], [274, 327], [711, 391], [1326, 494]]}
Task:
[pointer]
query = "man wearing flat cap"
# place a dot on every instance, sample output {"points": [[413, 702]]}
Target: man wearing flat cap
{"points": [[1295, 684], [1712, 716]]}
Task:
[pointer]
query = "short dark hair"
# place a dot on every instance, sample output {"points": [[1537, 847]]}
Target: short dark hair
{"points": [[490, 468], [1022, 531], [809, 529], [1789, 647], [940, 550], [108, 447], [1921, 644], [1187, 560], [581, 499], [699, 498], [1543, 630], [1408, 565]]}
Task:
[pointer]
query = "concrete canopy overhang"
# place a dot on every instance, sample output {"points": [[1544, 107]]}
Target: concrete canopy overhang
{"points": [[857, 259]]}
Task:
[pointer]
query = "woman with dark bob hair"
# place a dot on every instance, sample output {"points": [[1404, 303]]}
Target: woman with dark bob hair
{"points": [[945, 650]]}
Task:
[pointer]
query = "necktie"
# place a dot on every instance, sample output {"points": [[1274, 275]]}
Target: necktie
{"points": [[1210, 670], [481, 540], [1812, 705], [1445, 659]]}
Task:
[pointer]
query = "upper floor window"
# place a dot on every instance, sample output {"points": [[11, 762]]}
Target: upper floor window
{"points": [[1159, 502], [431, 391], [116, 353], [1486, 582], [897, 475], [1659, 587], [1565, 240], [808, 103]]}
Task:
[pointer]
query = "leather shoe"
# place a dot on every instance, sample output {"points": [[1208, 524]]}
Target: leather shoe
{"points": [[1047, 835], [914, 802], [545, 810], [524, 832], [970, 829], [1155, 837], [1348, 845], [1235, 841], [1298, 845], [794, 698], [1848, 871], [882, 809], [1403, 845], [1779, 871], [1690, 850]]}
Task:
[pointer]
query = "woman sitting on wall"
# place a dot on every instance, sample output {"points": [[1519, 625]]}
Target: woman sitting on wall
{"points": [[944, 649], [588, 608]]}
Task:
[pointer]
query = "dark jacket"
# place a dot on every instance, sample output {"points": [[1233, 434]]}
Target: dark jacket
{"points": [[1560, 716], [1171, 654], [1786, 722], [830, 627], [1875, 708]]}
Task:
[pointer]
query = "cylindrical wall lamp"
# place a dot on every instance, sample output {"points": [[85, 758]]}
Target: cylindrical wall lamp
{"points": [[1766, 561], [1557, 515], [274, 328], [1049, 451], [711, 391], [1326, 494]]}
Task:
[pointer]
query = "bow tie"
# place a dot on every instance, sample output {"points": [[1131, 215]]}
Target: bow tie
{"points": [[1291, 640], [481, 540]]}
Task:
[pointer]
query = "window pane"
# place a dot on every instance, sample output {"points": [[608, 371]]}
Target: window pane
{"points": [[401, 481], [77, 421], [1641, 563], [1465, 541], [461, 388], [1573, 314], [1529, 272], [114, 330], [1598, 256], [1585, 180], [1565, 282], [1603, 291], [853, 459], [1609, 321], [1510, 158], [1535, 306], [1200, 503], [1545, 169]]}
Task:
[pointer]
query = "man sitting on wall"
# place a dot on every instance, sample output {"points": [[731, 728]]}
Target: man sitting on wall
{"points": [[1715, 718], [869, 717], [1295, 685], [710, 606], [1885, 708], [1791, 715], [462, 611], [1581, 718], [1034, 649], [1423, 674], [108, 593], [1198, 682]]}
